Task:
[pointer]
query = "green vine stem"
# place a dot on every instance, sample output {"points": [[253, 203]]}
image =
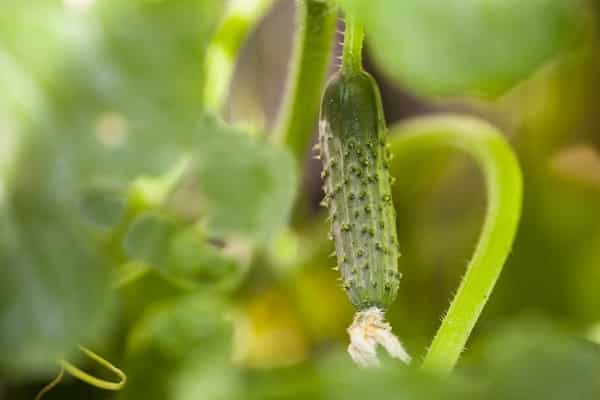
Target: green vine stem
{"points": [[353, 43], [504, 191], [315, 29], [240, 17]]}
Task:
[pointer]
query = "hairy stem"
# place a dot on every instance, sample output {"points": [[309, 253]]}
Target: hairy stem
{"points": [[504, 192], [315, 29], [240, 17], [353, 42]]}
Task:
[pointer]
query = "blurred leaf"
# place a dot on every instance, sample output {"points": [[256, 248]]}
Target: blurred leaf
{"points": [[332, 375], [191, 256], [269, 332], [248, 185], [179, 253], [109, 94], [54, 289], [119, 81], [530, 359], [124, 85], [152, 192], [145, 290], [180, 350], [301, 381], [199, 320], [391, 381], [148, 236], [244, 187], [208, 377], [103, 206], [129, 273], [466, 47]]}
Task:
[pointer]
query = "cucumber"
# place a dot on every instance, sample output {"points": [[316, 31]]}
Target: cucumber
{"points": [[357, 187]]}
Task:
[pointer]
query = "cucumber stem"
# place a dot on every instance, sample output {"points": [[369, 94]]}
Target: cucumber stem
{"points": [[353, 43], [504, 191], [315, 29], [240, 18]]}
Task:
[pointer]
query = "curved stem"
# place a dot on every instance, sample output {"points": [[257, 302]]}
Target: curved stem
{"points": [[92, 380], [353, 43], [241, 16], [51, 385], [315, 28], [504, 192]]}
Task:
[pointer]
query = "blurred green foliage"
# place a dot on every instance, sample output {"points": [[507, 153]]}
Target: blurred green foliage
{"points": [[467, 47], [109, 99], [137, 224]]}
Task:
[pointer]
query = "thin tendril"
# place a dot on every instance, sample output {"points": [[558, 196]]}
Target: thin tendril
{"points": [[92, 380], [51, 385]]}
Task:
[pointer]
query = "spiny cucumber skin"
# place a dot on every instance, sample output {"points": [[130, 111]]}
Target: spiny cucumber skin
{"points": [[357, 187]]}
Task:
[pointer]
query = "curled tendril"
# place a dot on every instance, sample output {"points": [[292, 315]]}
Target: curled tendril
{"points": [[84, 376]]}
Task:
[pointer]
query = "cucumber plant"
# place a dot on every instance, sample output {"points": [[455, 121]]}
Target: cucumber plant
{"points": [[149, 234], [356, 188], [356, 177]]}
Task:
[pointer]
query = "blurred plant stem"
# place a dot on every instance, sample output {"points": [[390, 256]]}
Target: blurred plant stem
{"points": [[315, 29], [504, 191], [241, 16]]}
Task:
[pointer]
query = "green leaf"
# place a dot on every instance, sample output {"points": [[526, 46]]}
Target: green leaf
{"points": [[103, 206], [179, 253], [187, 344], [54, 291], [117, 83], [125, 103], [247, 185], [148, 236], [466, 47], [191, 256], [531, 359]]}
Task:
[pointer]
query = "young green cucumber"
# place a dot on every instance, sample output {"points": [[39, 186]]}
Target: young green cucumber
{"points": [[356, 182]]}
